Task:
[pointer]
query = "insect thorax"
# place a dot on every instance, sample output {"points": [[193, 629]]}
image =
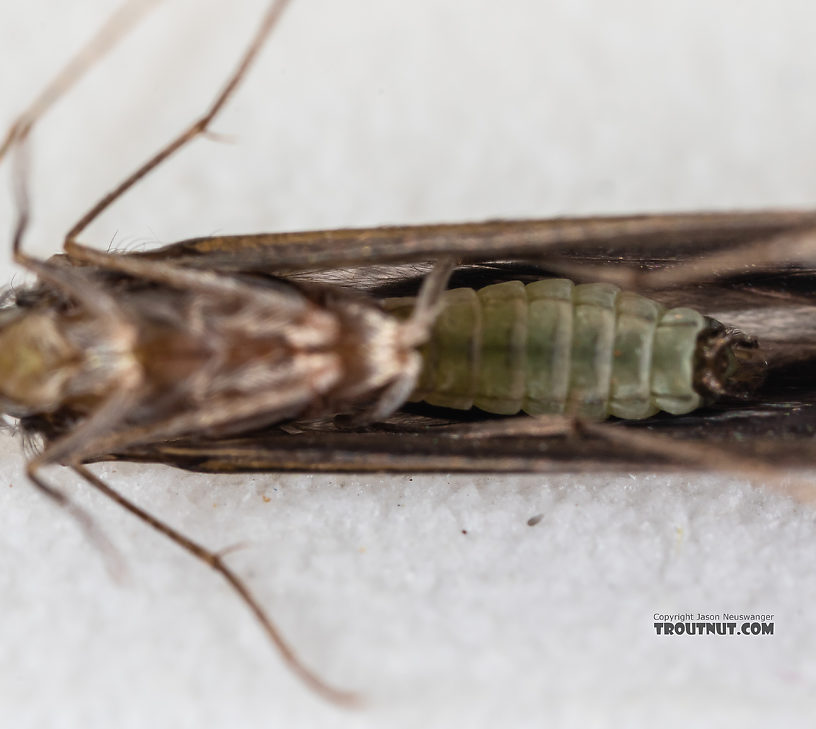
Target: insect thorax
{"points": [[208, 362]]}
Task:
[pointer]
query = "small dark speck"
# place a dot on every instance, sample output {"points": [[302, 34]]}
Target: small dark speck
{"points": [[464, 531], [533, 520]]}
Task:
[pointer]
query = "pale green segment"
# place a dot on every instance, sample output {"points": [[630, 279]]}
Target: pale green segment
{"points": [[553, 347], [593, 313], [500, 383], [452, 355], [630, 387], [673, 361], [549, 339]]}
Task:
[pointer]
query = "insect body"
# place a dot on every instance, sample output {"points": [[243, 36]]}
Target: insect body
{"points": [[212, 353], [551, 347]]}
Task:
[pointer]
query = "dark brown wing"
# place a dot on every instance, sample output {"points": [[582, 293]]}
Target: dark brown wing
{"points": [[778, 432], [777, 426], [665, 236], [776, 303]]}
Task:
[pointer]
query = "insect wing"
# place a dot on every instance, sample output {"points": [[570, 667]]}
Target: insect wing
{"points": [[669, 238], [777, 306]]}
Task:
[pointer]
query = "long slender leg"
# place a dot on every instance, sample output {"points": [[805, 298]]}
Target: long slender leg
{"points": [[94, 299], [790, 247], [795, 246], [680, 452], [197, 128], [105, 39], [97, 425], [108, 36], [113, 559], [544, 426], [429, 300], [214, 560], [759, 472], [175, 276], [93, 438], [65, 447]]}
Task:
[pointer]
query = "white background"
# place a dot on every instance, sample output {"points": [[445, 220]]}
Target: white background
{"points": [[363, 113]]}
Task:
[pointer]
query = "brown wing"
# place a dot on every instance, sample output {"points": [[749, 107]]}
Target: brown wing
{"points": [[776, 303], [777, 432], [665, 236], [776, 427]]}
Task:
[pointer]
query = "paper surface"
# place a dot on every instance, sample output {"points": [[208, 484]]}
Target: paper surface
{"points": [[430, 595]]}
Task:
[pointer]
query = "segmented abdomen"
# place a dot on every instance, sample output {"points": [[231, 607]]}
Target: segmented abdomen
{"points": [[555, 347]]}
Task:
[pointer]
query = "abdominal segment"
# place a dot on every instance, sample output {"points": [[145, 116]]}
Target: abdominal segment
{"points": [[553, 347]]}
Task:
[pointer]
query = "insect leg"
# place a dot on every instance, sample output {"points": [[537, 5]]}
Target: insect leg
{"points": [[65, 447], [764, 251], [798, 246], [636, 442], [197, 128], [113, 559], [415, 331], [284, 401], [105, 39], [97, 425], [108, 36], [389, 400], [170, 274], [714, 458], [214, 560], [544, 426], [429, 300], [92, 298]]}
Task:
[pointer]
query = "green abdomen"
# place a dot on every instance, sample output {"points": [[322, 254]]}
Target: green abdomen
{"points": [[554, 347]]}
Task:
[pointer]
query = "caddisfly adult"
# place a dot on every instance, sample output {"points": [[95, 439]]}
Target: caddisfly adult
{"points": [[244, 352]]}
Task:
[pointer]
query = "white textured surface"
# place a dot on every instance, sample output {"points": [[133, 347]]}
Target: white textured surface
{"points": [[366, 113]]}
